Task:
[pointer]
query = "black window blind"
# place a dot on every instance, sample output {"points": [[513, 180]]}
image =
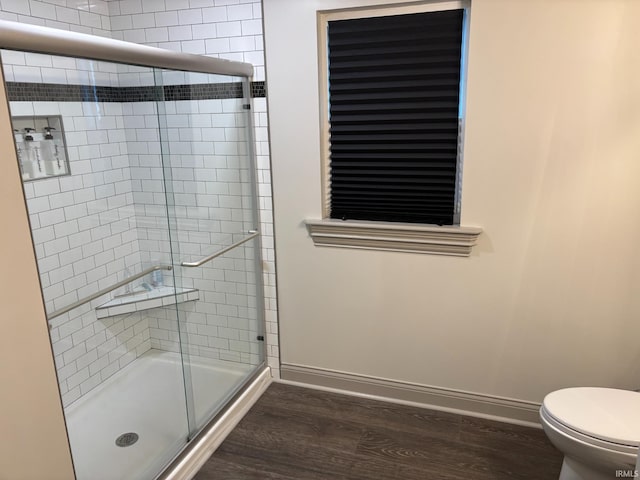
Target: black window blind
{"points": [[394, 87]]}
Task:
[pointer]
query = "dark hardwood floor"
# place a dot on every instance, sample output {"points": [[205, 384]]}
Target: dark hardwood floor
{"points": [[295, 433]]}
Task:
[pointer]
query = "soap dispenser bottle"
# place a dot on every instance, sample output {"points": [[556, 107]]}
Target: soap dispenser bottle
{"points": [[20, 151], [50, 153], [157, 279], [31, 156]]}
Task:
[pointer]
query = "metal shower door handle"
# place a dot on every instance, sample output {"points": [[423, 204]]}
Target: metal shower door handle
{"points": [[202, 261]]}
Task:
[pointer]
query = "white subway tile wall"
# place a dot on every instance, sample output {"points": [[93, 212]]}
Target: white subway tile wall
{"points": [[107, 219], [210, 199], [123, 198], [228, 32], [85, 16], [85, 235], [225, 324]]}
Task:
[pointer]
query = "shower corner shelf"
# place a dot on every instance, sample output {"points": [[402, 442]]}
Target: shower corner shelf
{"points": [[146, 300]]}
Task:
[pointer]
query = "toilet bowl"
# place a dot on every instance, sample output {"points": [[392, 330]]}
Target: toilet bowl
{"points": [[597, 429]]}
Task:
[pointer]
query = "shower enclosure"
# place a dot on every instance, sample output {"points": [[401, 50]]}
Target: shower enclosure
{"points": [[139, 177]]}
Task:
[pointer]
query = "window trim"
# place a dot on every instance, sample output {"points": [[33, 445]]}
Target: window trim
{"points": [[454, 240], [394, 236]]}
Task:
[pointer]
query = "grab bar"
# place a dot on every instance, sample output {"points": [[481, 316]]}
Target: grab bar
{"points": [[68, 308], [202, 261], [104, 291]]}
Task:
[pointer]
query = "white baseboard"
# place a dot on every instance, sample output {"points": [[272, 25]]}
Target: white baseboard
{"points": [[209, 441], [502, 409]]}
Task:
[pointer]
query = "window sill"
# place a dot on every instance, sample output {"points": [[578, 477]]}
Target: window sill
{"points": [[394, 237]]}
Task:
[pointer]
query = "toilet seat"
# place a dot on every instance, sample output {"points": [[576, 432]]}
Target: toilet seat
{"points": [[603, 417], [585, 439]]}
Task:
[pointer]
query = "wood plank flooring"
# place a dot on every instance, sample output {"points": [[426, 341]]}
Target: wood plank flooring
{"points": [[295, 433]]}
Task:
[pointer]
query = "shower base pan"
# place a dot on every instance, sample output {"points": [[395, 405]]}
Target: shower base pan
{"points": [[143, 406]]}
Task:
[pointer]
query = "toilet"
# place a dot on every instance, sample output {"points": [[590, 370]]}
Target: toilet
{"points": [[597, 429]]}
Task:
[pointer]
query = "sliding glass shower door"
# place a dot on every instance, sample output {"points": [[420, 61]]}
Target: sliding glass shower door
{"points": [[140, 188], [210, 187]]}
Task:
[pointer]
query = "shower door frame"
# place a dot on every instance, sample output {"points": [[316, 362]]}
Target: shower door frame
{"points": [[50, 41]]}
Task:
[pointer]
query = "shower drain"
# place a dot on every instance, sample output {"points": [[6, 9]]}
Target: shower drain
{"points": [[127, 439]]}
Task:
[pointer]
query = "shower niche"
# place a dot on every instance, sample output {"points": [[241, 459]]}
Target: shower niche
{"points": [[41, 147]]}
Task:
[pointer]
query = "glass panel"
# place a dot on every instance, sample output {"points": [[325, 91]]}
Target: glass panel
{"points": [[222, 329], [206, 135], [105, 221]]}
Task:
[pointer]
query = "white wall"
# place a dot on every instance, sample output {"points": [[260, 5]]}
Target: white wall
{"points": [[550, 298], [31, 419]]}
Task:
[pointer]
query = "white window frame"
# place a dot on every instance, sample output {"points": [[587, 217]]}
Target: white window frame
{"points": [[454, 240]]}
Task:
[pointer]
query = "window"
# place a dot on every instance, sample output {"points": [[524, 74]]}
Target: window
{"points": [[394, 84], [391, 81]]}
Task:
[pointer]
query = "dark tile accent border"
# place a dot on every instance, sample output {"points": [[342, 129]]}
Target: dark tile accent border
{"points": [[258, 90], [51, 92]]}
